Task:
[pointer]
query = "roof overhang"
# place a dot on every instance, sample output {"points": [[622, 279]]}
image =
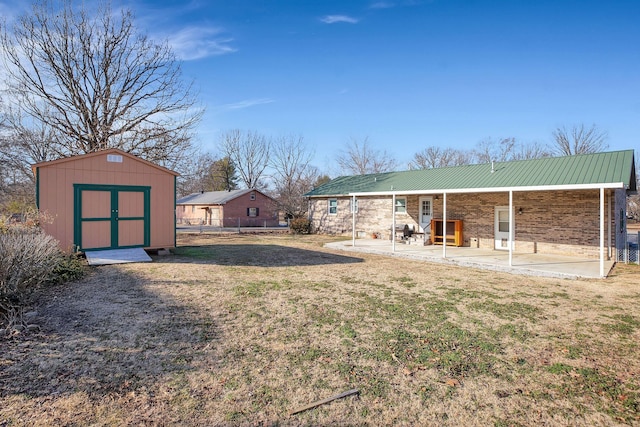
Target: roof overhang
{"points": [[107, 151], [608, 185]]}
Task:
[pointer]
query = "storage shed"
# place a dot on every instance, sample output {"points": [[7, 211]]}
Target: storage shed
{"points": [[107, 200]]}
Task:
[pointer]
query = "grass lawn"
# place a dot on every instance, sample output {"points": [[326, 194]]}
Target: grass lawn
{"points": [[243, 330]]}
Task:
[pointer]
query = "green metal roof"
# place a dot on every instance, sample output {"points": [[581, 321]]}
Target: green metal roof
{"points": [[614, 169]]}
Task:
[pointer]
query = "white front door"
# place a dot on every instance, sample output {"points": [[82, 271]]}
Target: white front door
{"points": [[502, 227], [426, 213]]}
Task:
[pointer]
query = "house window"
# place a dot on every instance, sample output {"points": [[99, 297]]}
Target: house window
{"points": [[252, 196], [401, 205], [333, 206], [252, 211], [193, 209]]}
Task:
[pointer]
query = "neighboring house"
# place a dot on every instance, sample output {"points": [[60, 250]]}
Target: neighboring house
{"points": [[107, 200], [235, 208], [565, 205]]}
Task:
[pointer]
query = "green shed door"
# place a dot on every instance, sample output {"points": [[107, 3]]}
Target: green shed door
{"points": [[111, 216]]}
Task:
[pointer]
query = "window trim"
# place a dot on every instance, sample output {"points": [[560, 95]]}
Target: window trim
{"points": [[335, 207], [404, 206]]}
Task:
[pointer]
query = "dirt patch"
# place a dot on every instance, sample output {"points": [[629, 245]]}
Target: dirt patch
{"points": [[241, 330]]}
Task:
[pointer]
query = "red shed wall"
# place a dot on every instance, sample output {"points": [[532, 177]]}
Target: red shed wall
{"points": [[55, 193]]}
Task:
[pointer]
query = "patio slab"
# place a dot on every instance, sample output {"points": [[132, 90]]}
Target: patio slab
{"points": [[486, 259]]}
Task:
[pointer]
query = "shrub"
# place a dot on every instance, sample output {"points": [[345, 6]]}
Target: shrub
{"points": [[28, 258], [300, 226], [69, 268]]}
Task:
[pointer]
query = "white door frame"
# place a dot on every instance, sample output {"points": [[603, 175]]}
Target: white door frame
{"points": [[425, 227], [500, 236]]}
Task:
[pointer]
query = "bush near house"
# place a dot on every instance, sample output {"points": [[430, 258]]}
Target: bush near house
{"points": [[300, 226], [29, 258]]}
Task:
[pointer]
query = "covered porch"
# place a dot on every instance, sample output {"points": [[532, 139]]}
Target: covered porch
{"points": [[486, 259], [497, 222]]}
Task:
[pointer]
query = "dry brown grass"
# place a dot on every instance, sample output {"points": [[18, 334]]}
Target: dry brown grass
{"points": [[241, 330]]}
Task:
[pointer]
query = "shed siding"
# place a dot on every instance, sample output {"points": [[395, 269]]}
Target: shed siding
{"points": [[56, 180]]}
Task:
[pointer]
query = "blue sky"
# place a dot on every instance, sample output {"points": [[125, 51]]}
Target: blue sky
{"points": [[407, 74]]}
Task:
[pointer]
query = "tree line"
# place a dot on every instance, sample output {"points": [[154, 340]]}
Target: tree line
{"points": [[78, 80]]}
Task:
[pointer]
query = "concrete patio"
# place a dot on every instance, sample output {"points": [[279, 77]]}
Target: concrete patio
{"points": [[486, 259]]}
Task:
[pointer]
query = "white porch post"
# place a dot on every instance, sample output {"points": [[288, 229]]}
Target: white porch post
{"points": [[393, 223], [602, 232], [444, 225], [353, 214], [511, 231], [609, 204]]}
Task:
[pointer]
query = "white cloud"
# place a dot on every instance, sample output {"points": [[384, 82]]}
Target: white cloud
{"points": [[247, 103], [382, 5], [332, 19], [199, 42]]}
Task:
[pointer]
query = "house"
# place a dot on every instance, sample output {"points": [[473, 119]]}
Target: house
{"points": [[235, 208], [564, 205], [107, 200]]}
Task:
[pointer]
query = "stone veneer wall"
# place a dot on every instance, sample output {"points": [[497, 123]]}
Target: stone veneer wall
{"points": [[559, 222]]}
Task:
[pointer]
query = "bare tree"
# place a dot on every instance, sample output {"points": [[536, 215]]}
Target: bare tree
{"points": [[249, 152], [360, 158], [95, 82], [206, 173], [293, 175], [507, 149], [533, 150], [21, 146], [488, 150], [579, 140], [437, 157]]}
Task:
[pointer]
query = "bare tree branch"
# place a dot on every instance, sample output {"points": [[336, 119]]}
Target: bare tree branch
{"points": [[249, 152], [359, 159], [97, 83], [436, 157], [579, 140], [293, 174]]}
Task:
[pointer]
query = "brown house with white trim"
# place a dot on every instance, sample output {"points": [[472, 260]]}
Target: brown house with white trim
{"points": [[235, 208], [566, 205], [107, 200]]}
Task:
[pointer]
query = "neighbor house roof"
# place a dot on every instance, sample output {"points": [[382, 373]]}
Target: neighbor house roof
{"points": [[211, 197], [614, 169]]}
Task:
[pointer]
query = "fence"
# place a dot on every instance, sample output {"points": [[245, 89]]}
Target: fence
{"points": [[630, 248]]}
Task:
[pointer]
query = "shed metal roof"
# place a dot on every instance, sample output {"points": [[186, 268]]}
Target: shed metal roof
{"points": [[614, 169], [211, 197]]}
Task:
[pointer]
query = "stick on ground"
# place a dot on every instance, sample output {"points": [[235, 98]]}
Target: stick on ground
{"points": [[323, 401]]}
